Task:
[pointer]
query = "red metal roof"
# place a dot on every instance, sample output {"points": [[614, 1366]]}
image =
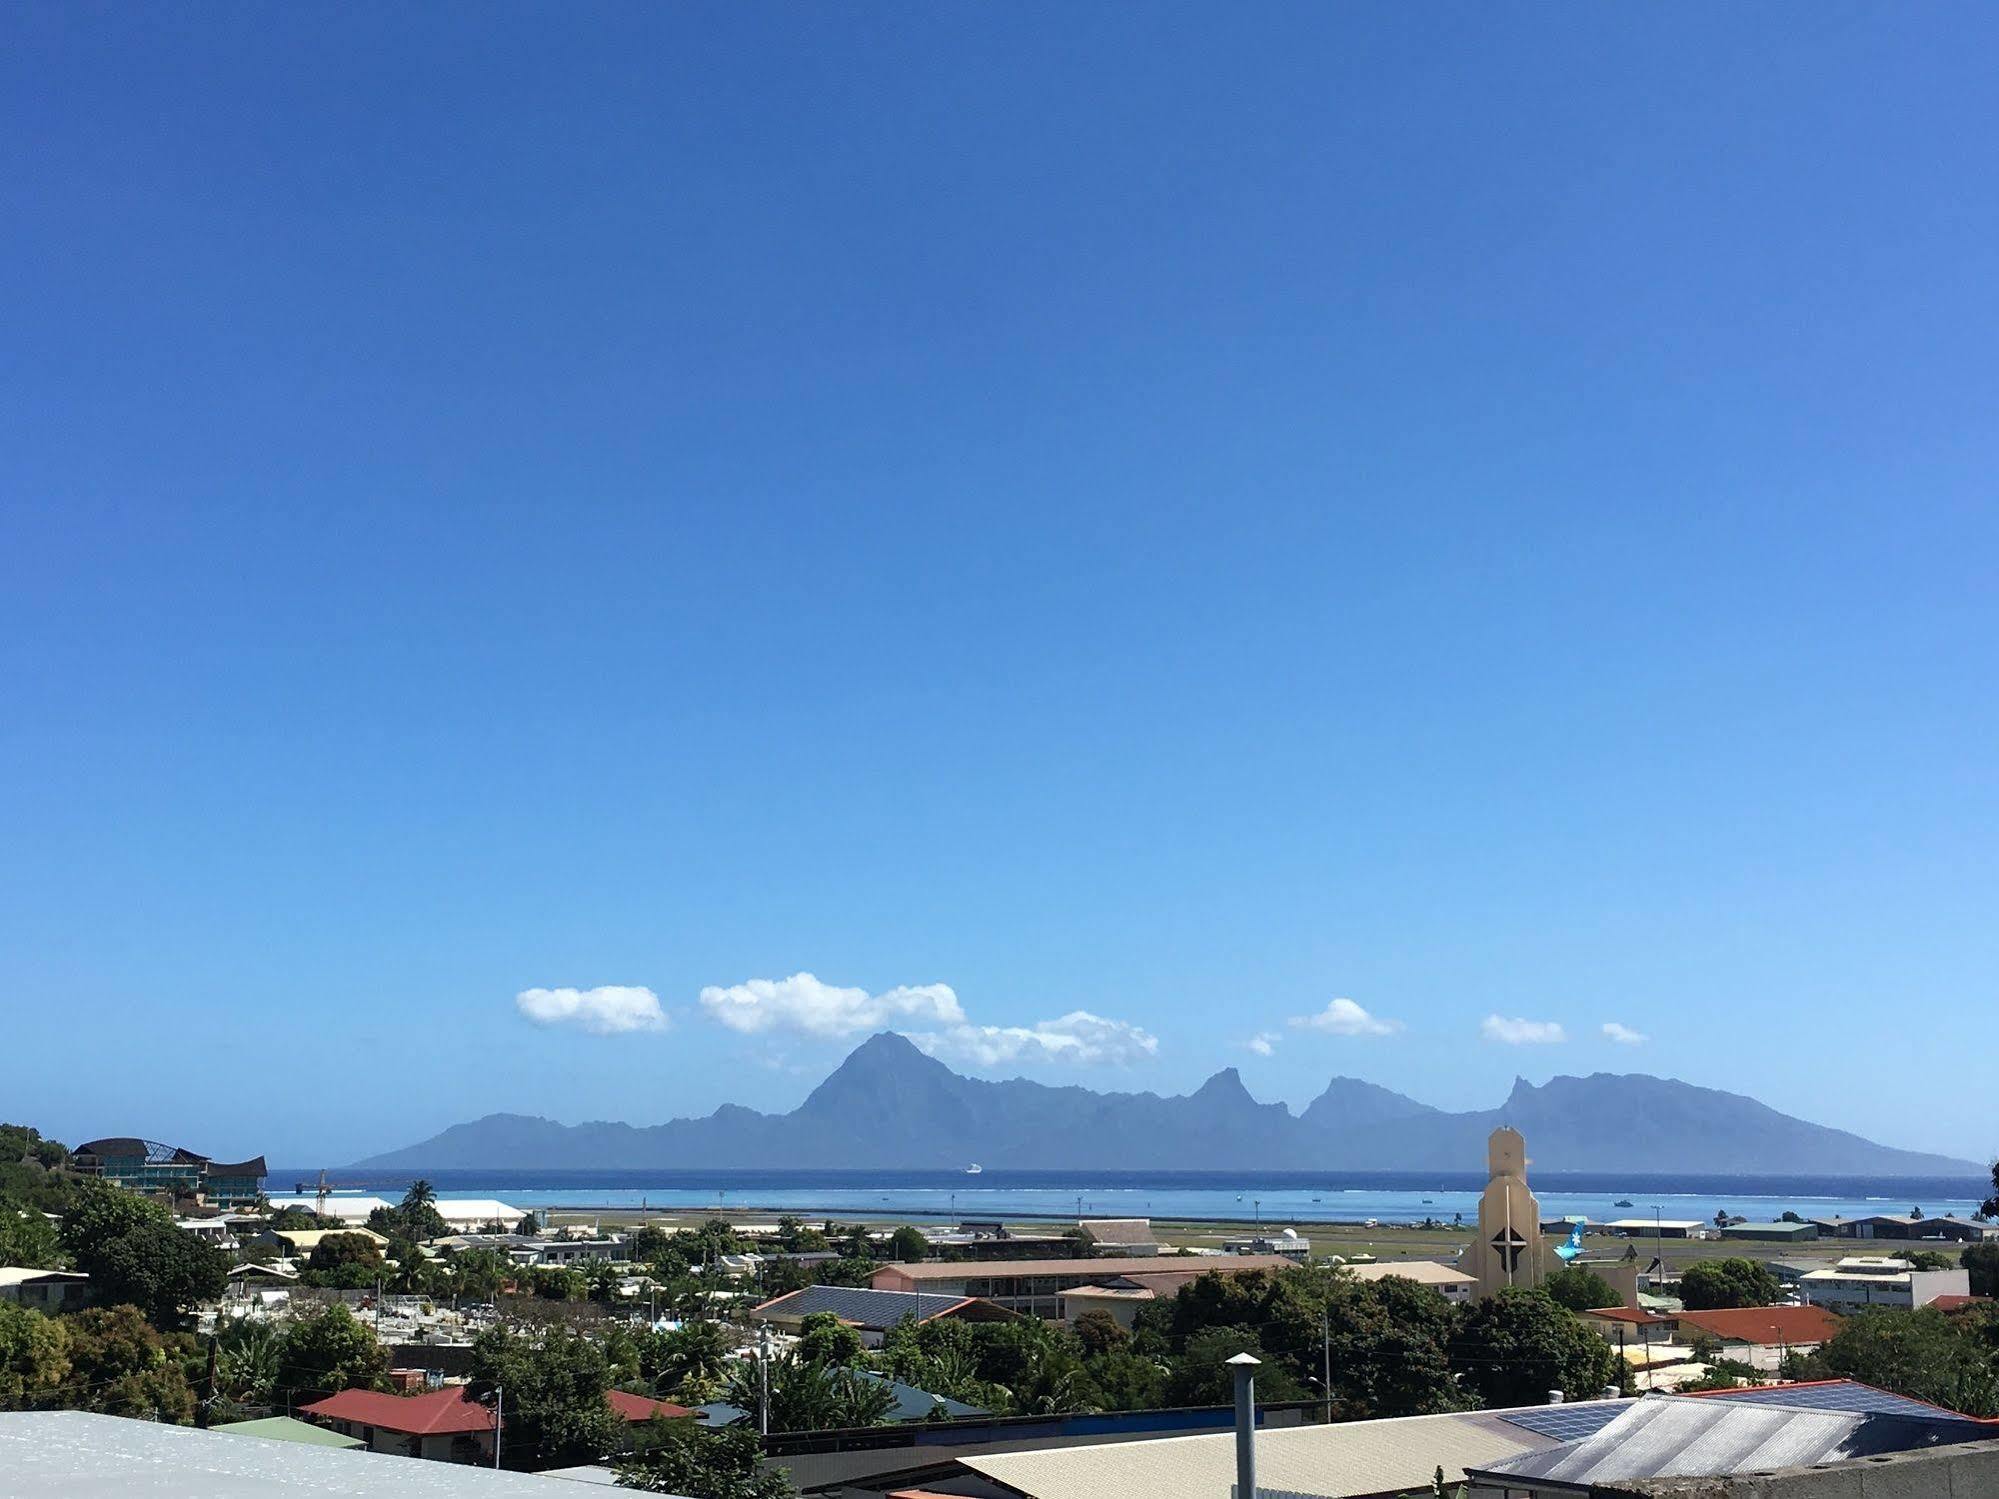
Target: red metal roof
{"points": [[639, 1408], [1955, 1303], [1765, 1325], [434, 1413]]}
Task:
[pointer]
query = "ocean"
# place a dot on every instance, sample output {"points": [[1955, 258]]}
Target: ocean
{"points": [[1275, 1197]]}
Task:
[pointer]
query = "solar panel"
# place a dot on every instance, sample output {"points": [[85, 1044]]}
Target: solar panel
{"points": [[1567, 1423], [1846, 1396]]}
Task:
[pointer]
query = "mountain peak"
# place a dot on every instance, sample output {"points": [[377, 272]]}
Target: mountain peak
{"points": [[1350, 1102], [890, 1105], [1224, 1084]]}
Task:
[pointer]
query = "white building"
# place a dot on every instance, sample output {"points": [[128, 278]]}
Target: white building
{"points": [[461, 1213], [45, 1291], [1872, 1280], [1448, 1281], [216, 1231]]}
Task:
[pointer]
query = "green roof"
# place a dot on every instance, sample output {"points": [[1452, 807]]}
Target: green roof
{"points": [[285, 1429]]}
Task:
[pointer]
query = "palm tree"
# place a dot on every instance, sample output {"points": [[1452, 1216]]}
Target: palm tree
{"points": [[247, 1358], [420, 1195]]}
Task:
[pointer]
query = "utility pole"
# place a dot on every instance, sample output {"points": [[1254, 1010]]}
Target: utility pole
{"points": [[1326, 1355], [1244, 1366], [763, 1380], [499, 1408]]}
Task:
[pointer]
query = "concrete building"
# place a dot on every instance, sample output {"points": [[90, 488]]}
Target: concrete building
{"points": [[151, 1167], [45, 1291], [82, 1455], [1448, 1281], [1869, 1280], [1036, 1286], [1508, 1249], [1118, 1297]]}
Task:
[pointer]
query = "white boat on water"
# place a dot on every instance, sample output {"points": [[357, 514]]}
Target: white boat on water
{"points": [[974, 1169]]}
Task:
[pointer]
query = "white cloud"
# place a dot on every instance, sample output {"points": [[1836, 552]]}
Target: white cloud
{"points": [[1078, 1037], [1624, 1035], [1263, 1043], [1517, 1032], [1345, 1018], [803, 1003], [611, 1010]]}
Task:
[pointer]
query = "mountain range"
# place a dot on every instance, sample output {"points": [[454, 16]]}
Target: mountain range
{"points": [[890, 1106]]}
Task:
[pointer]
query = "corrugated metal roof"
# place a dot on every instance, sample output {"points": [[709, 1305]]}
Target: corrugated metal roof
{"points": [[1676, 1437], [81, 1455], [1765, 1325], [1354, 1458]]}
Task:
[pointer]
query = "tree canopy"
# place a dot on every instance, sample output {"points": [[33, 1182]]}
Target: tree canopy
{"points": [[1923, 1354], [725, 1464], [1580, 1289], [1709, 1285], [1513, 1348], [133, 1253], [554, 1379]]}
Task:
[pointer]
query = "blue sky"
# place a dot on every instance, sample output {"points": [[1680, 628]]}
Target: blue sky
{"points": [[1481, 512]]}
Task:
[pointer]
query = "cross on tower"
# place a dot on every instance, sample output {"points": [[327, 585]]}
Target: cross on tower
{"points": [[1509, 1246]]}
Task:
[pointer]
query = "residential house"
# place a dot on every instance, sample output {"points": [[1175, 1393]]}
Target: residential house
{"points": [[45, 1291], [445, 1425]]}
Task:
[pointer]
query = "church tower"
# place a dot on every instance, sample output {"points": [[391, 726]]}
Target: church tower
{"points": [[1508, 1250]]}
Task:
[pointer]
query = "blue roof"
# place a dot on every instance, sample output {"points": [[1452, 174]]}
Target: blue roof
{"points": [[860, 1305], [912, 1404]]}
